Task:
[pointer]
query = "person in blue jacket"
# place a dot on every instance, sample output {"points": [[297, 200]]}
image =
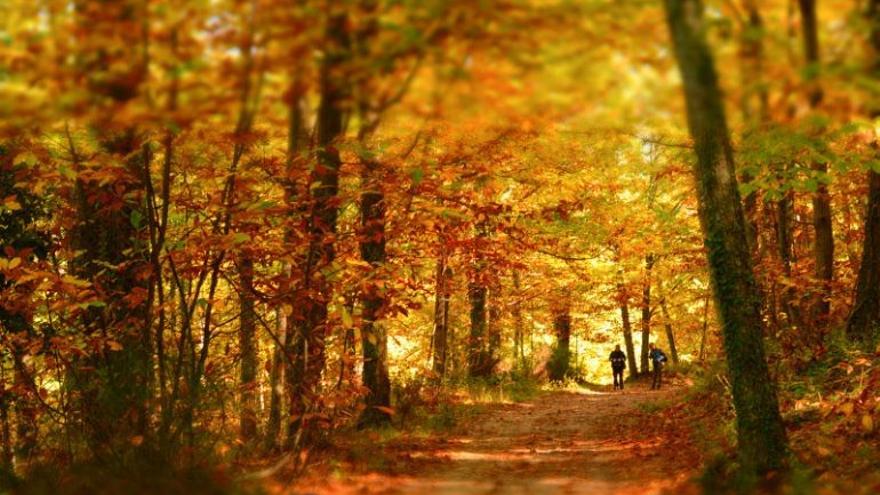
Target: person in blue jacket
{"points": [[658, 359]]}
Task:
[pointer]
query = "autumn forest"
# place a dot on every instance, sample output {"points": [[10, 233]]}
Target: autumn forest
{"points": [[388, 246]]}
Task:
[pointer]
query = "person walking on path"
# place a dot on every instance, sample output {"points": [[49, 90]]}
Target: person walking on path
{"points": [[618, 364], [658, 359]]}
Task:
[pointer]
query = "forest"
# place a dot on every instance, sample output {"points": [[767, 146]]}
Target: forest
{"points": [[387, 246]]}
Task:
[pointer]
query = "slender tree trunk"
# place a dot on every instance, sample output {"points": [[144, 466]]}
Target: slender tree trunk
{"points": [[627, 331], [276, 385], [754, 101], [705, 331], [761, 436], [670, 336], [441, 316], [247, 429], [518, 330], [646, 311], [308, 349], [6, 442], [494, 325], [823, 246]]}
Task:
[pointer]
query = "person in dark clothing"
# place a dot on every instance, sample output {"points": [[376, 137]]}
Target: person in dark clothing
{"points": [[658, 359], [618, 364]]}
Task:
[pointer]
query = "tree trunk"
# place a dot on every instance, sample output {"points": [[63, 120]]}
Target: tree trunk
{"points": [[646, 311], [493, 327], [247, 429], [6, 457], [109, 233], [627, 331], [373, 336], [754, 102], [863, 324], [518, 330], [670, 336], [308, 350], [823, 246], [477, 356], [705, 330], [864, 320], [441, 315], [557, 368], [276, 385], [761, 436]]}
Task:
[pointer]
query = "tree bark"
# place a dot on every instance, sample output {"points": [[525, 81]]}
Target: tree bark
{"points": [[557, 368], [627, 330], [478, 365], [109, 230], [441, 315], [276, 385], [247, 428], [646, 311], [670, 336], [863, 324], [754, 102], [761, 436], [308, 351], [823, 246], [373, 336], [518, 330]]}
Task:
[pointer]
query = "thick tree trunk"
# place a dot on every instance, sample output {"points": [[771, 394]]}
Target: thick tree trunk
{"points": [[761, 436], [373, 336], [308, 350], [864, 320], [478, 364], [646, 311], [557, 368], [247, 428], [863, 324]]}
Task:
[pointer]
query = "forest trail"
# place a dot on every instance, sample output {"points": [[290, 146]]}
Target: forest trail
{"points": [[560, 442]]}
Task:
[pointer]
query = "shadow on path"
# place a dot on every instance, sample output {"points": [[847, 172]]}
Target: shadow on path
{"points": [[588, 442]]}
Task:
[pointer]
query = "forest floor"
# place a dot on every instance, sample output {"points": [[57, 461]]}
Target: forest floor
{"points": [[559, 442]]}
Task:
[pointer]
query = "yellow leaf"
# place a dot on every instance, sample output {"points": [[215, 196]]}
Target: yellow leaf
{"points": [[847, 408], [823, 451], [14, 262], [287, 309], [868, 423]]}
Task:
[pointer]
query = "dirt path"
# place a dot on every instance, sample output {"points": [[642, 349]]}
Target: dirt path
{"points": [[558, 443]]}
